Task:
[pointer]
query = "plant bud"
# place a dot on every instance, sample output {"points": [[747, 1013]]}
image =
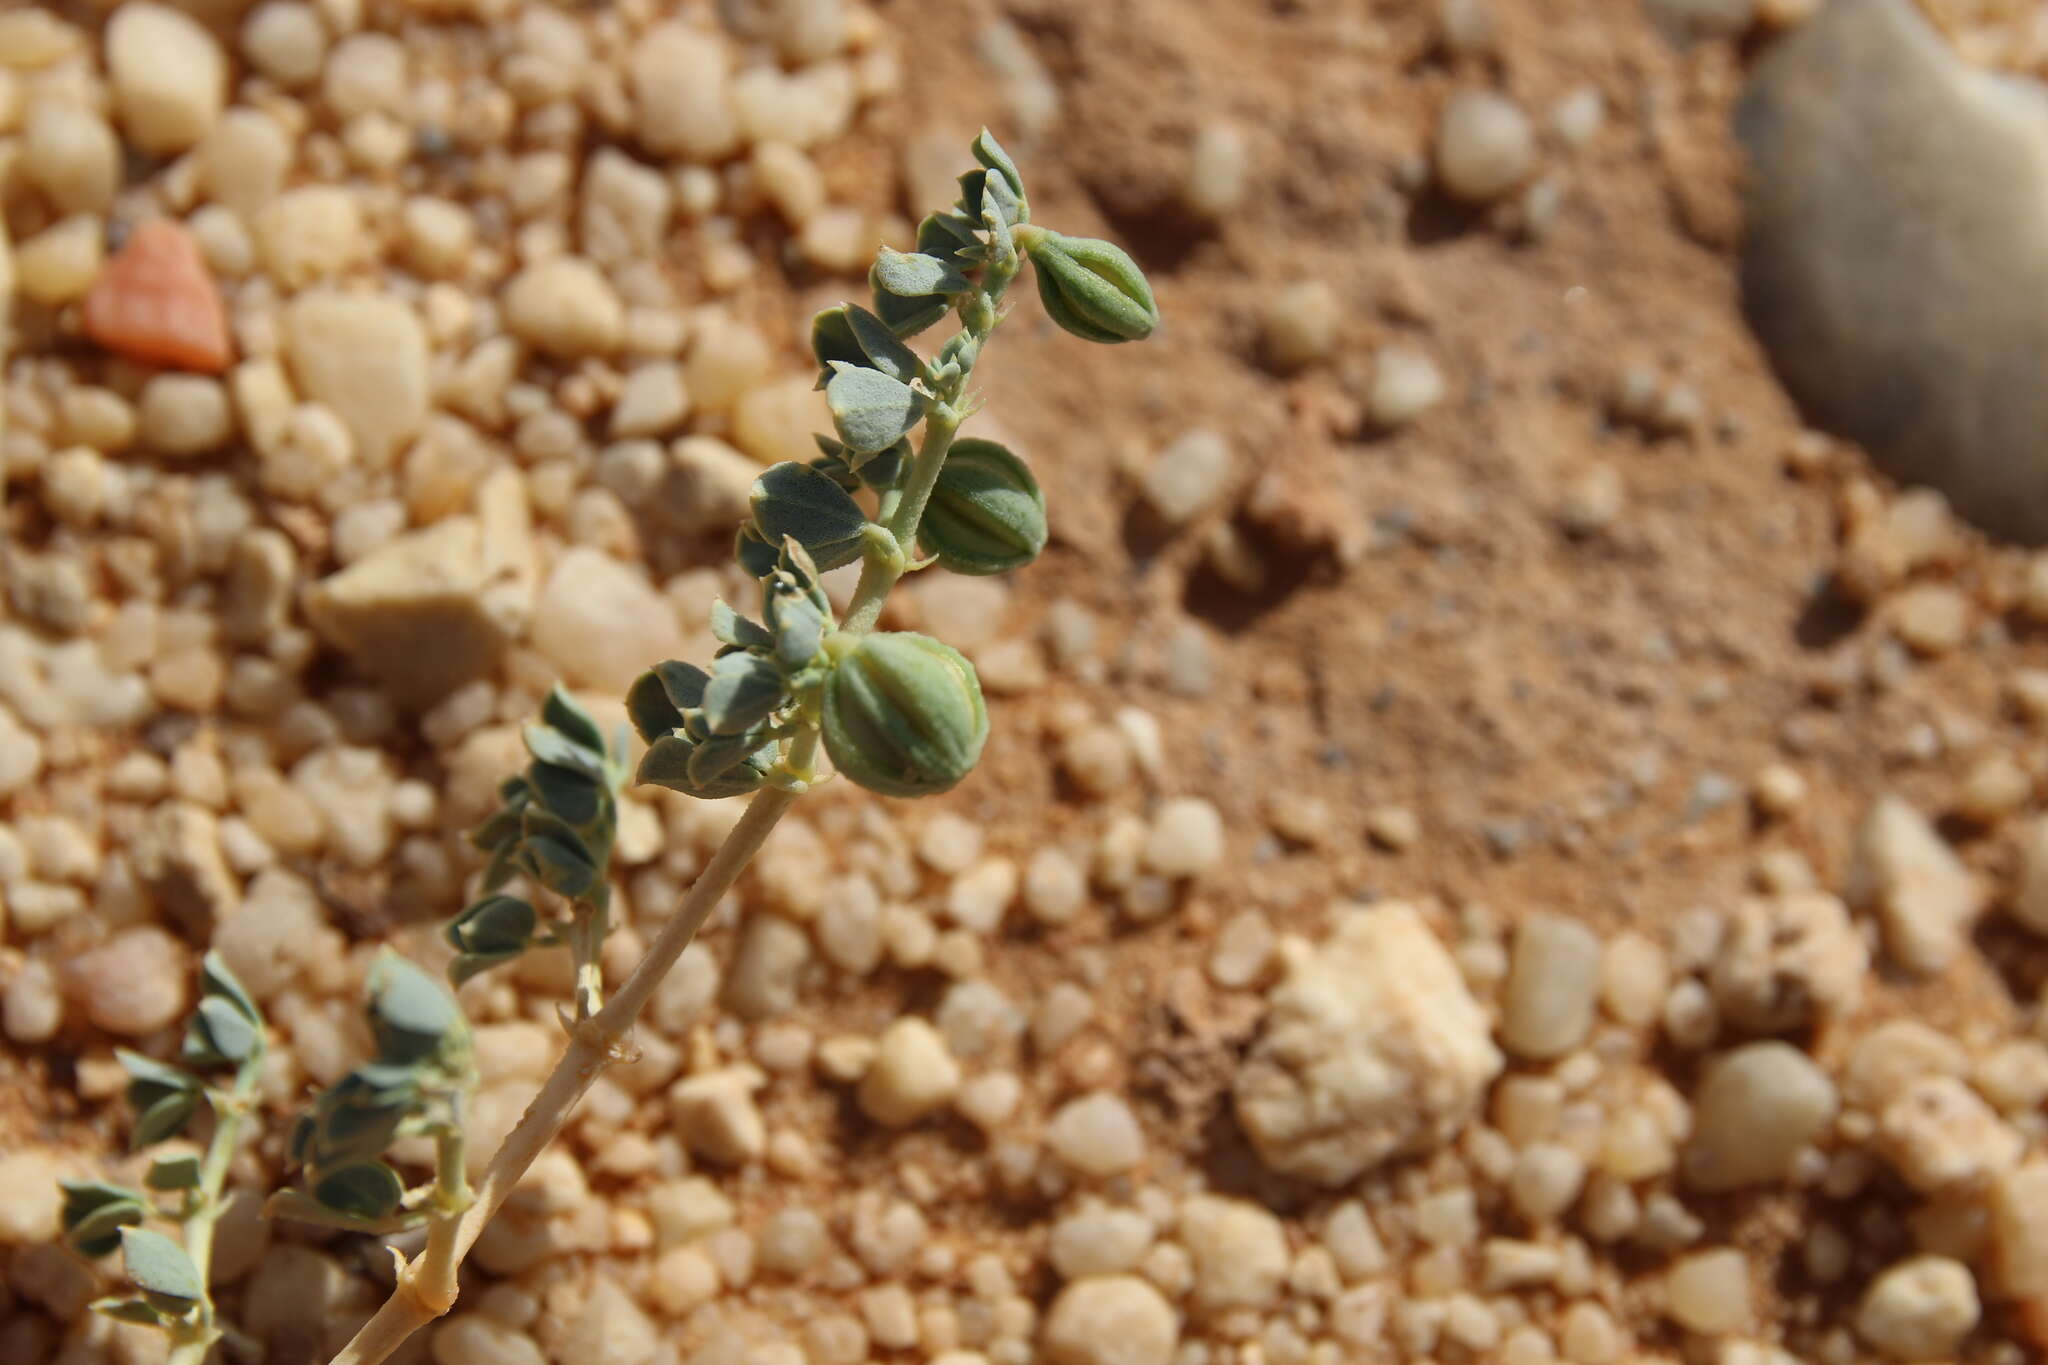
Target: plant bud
{"points": [[1090, 287], [986, 513], [903, 713]]}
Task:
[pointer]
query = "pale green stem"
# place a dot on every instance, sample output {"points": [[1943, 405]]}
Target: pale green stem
{"points": [[202, 1214], [879, 574]]}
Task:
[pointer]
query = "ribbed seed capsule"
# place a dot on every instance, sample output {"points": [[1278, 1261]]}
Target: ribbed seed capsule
{"points": [[903, 713], [986, 513], [1090, 287]]}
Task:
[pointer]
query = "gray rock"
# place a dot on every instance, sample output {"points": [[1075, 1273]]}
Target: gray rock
{"points": [[1894, 267]]}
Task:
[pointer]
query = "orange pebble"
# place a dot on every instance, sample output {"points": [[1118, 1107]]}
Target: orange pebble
{"points": [[155, 301]]}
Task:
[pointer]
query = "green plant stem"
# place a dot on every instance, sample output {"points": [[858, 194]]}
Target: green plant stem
{"points": [[202, 1214], [427, 1286]]}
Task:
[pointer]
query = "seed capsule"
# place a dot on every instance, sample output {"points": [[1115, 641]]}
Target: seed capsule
{"points": [[1090, 287], [986, 513], [903, 714]]}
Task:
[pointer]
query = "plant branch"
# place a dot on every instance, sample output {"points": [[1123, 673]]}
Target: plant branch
{"points": [[203, 1211]]}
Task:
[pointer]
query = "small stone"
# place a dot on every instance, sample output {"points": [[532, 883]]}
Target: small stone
{"points": [[59, 263], [1919, 1309], [1239, 1250], [21, 753], [184, 414], [1926, 899], [1110, 1320], [1553, 987], [1708, 1292], [169, 76], [417, 613], [1188, 476], [1787, 962], [1546, 1181], [651, 402], [1218, 167], [2029, 902], [1940, 1137], [1299, 325], [1096, 1135], [1758, 1106], [1484, 146], [1930, 618], [365, 357], [177, 856], [681, 87], [1372, 1047], [600, 622], [716, 1116], [610, 1328], [70, 154], [1885, 1062], [565, 307], [480, 1339], [133, 984], [1405, 384], [1055, 887], [766, 968], [1186, 838], [310, 233], [286, 41], [155, 302], [913, 1074], [31, 1205]]}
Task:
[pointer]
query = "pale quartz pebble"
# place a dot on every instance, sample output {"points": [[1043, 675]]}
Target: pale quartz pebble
{"points": [[184, 414], [790, 180], [133, 984], [979, 897], [2029, 901], [32, 1007], [772, 422], [1787, 962], [168, 73], [480, 1339], [1298, 325], [1546, 1181], [1484, 146], [31, 1205], [1405, 384], [611, 1328], [1925, 897], [912, 1075], [1354, 1242], [71, 156], [365, 358], [727, 359], [599, 621], [1186, 838], [1218, 166], [365, 73], [286, 41], [1757, 1107], [2019, 1231], [1553, 987], [682, 1279], [1708, 1292], [766, 967], [652, 401], [1239, 1251], [438, 235], [1778, 791], [58, 264], [716, 1116], [21, 753], [1373, 1047], [1189, 475], [1098, 1239], [977, 1019], [989, 1100], [246, 157], [1930, 618], [1919, 1309], [1055, 886], [309, 233], [1577, 115], [949, 843], [1939, 1136], [2013, 1076], [966, 612], [1995, 787], [1063, 1012], [680, 81], [1096, 1136], [1110, 1320], [1242, 952], [1886, 1062], [565, 307], [1634, 978]]}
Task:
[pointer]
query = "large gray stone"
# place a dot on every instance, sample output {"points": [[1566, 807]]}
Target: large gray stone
{"points": [[1895, 266]]}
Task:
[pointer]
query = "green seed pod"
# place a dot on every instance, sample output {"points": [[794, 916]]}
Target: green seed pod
{"points": [[986, 513], [1090, 287], [903, 713]]}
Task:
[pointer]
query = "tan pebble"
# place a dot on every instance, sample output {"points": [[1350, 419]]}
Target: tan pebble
{"points": [[168, 73], [1096, 1136], [1919, 1309], [1298, 325], [1484, 146], [1552, 988], [309, 233], [286, 41], [1925, 897], [912, 1075], [58, 264], [1708, 1292], [132, 985], [1757, 1107], [1218, 163], [70, 155], [1930, 618]]}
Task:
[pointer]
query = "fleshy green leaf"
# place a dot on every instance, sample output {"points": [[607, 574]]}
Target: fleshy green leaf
{"points": [[883, 349], [495, 924], [562, 866], [149, 1079], [648, 704], [752, 550], [163, 1272], [870, 410], [744, 690], [797, 502], [914, 275], [832, 339], [357, 1117], [220, 1032], [180, 1172], [714, 758], [991, 155], [667, 763], [411, 1016], [951, 237], [370, 1191], [94, 1213], [564, 713], [164, 1118], [728, 627], [570, 795], [218, 980], [552, 746], [799, 627]]}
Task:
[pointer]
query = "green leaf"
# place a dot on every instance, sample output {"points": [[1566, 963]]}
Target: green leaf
{"points": [[870, 410], [908, 317], [358, 1116], [218, 980], [883, 350], [564, 713], [500, 829], [649, 707], [728, 627], [745, 689], [797, 502], [552, 746], [991, 155], [563, 866], [832, 339], [220, 1032], [569, 794], [164, 1118], [179, 1172], [667, 763], [95, 1212], [163, 1272], [412, 1017], [951, 237], [715, 758], [752, 550], [495, 924], [136, 1311], [914, 275], [150, 1080], [684, 683], [370, 1191], [798, 624]]}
